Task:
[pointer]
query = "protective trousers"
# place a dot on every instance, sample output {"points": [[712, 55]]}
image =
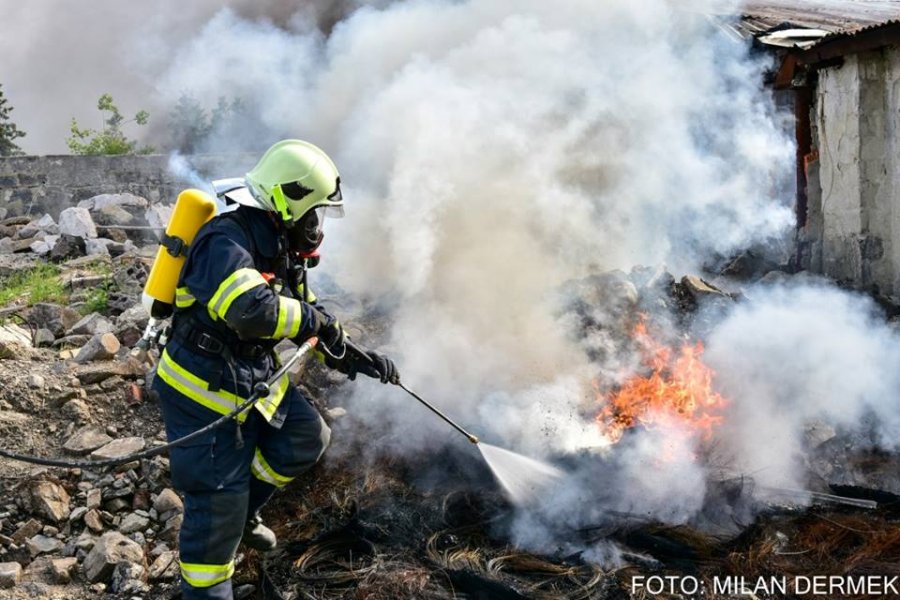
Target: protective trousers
{"points": [[225, 479]]}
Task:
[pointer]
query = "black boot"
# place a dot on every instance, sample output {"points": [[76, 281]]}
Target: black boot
{"points": [[258, 536]]}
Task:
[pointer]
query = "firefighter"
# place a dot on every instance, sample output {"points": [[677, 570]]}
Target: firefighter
{"points": [[243, 289]]}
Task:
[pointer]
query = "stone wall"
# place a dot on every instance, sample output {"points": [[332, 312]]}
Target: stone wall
{"points": [[47, 184], [854, 187]]}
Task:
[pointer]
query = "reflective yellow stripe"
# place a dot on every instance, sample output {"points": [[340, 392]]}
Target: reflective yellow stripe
{"points": [[289, 317], [310, 297], [203, 576], [233, 286], [184, 298], [196, 389], [264, 472], [219, 401], [268, 405]]}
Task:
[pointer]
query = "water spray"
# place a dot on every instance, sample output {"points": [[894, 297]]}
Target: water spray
{"points": [[521, 477]]}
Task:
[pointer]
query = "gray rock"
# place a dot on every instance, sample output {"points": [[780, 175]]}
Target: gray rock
{"points": [[97, 372], [817, 433], [45, 224], [10, 573], [72, 341], [91, 324], [85, 541], [62, 569], [35, 381], [87, 439], [58, 319], [103, 346], [111, 549], [165, 567], [94, 498], [171, 528], [93, 521], [699, 288], [67, 247], [166, 501], [113, 215], [136, 316], [133, 522], [50, 500], [158, 215], [77, 514], [128, 579], [15, 342], [41, 544], [45, 246], [28, 529], [77, 221], [101, 201], [43, 338], [119, 448], [77, 411], [98, 246]]}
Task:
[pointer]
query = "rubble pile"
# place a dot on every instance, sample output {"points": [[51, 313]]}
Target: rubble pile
{"points": [[108, 224], [74, 388]]}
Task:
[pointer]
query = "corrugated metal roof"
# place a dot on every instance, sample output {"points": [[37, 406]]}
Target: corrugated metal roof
{"points": [[761, 17]]}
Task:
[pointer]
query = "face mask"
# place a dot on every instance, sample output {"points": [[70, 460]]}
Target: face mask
{"points": [[305, 236]]}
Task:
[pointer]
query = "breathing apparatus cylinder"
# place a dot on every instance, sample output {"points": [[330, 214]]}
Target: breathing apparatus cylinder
{"points": [[192, 209]]}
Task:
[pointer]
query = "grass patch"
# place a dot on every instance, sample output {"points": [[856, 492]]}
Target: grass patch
{"points": [[41, 283], [97, 299]]}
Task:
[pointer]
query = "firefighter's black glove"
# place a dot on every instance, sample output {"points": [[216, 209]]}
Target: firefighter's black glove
{"points": [[331, 335], [372, 364], [380, 367]]}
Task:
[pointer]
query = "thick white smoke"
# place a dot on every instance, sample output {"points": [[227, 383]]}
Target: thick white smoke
{"points": [[492, 151], [58, 57], [795, 356]]}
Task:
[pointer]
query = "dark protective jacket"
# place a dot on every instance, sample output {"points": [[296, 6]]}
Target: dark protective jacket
{"points": [[229, 316]]}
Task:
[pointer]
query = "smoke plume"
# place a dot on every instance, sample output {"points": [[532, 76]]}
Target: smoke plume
{"points": [[491, 152]]}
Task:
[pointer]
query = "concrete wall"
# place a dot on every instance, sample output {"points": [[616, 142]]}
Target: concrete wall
{"points": [[39, 184], [854, 207]]}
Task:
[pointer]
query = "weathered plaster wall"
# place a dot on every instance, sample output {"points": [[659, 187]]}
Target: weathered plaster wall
{"points": [[854, 204], [837, 117], [39, 184]]}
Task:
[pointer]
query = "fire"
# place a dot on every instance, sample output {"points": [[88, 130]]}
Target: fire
{"points": [[679, 387]]}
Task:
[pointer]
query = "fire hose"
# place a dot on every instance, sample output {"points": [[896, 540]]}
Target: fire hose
{"points": [[260, 390]]}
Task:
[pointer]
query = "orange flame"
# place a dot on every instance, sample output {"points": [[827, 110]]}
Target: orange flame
{"points": [[679, 387]]}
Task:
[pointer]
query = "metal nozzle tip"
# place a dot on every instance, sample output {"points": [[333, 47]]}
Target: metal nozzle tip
{"points": [[473, 439]]}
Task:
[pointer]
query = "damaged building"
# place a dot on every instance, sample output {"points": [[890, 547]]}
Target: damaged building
{"points": [[842, 68]]}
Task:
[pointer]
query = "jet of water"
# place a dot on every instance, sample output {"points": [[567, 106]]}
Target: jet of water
{"points": [[522, 478]]}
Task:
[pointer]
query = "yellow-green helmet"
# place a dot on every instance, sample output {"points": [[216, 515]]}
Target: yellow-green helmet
{"points": [[294, 177]]}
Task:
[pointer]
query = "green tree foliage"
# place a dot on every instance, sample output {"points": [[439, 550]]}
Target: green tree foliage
{"points": [[189, 125], [111, 139], [8, 130], [193, 129]]}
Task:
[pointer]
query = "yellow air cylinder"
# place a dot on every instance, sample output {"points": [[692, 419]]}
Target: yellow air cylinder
{"points": [[192, 209]]}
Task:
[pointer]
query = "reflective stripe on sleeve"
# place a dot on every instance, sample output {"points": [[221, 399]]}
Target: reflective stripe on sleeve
{"points": [[289, 317], [184, 298], [203, 576], [233, 286], [196, 389], [264, 472]]}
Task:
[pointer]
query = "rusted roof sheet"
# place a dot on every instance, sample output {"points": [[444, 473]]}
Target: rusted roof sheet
{"points": [[761, 17]]}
